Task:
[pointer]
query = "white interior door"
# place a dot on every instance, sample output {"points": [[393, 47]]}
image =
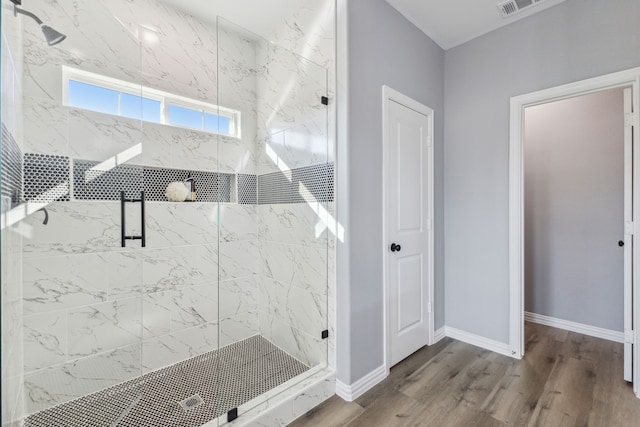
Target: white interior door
{"points": [[409, 243], [628, 236]]}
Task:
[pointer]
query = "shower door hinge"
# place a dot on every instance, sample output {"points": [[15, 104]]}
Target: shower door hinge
{"points": [[628, 336], [629, 119], [325, 100], [630, 228], [232, 415], [325, 334]]}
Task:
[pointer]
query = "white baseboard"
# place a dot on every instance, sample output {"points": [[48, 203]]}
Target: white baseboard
{"points": [[478, 341], [439, 334], [580, 328], [360, 387]]}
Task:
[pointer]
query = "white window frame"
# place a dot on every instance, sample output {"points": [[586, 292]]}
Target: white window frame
{"points": [[165, 98]]}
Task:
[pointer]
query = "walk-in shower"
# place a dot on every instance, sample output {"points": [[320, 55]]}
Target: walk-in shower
{"points": [[120, 307]]}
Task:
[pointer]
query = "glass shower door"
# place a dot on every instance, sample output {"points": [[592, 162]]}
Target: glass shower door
{"points": [[78, 209]]}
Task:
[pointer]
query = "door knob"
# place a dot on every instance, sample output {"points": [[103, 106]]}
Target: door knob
{"points": [[621, 243], [395, 247]]}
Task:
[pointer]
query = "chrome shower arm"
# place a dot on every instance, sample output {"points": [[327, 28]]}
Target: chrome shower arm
{"points": [[16, 9]]}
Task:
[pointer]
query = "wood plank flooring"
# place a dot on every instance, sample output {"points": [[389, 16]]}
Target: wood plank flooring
{"points": [[565, 379]]}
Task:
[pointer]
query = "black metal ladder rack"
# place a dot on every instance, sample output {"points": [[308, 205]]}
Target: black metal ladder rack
{"points": [[123, 234]]}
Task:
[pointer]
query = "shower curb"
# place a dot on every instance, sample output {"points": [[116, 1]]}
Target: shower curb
{"points": [[287, 404]]}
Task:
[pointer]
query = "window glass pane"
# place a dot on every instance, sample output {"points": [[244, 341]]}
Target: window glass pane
{"points": [[185, 117], [218, 124], [137, 107], [131, 106], [151, 110], [90, 97]]}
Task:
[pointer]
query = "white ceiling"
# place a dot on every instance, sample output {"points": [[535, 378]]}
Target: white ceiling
{"points": [[258, 16], [453, 22]]}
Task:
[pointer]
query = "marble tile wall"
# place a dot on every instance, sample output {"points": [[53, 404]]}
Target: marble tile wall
{"points": [[10, 237]]}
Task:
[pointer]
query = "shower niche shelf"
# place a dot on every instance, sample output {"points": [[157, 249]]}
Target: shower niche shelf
{"points": [[46, 179]]}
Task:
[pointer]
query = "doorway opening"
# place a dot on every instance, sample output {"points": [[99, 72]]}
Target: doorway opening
{"points": [[574, 214], [573, 211]]}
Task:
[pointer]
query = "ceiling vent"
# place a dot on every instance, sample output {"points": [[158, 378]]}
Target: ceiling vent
{"points": [[511, 7]]}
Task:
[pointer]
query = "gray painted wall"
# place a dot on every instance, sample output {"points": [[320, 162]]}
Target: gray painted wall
{"points": [[575, 40], [574, 209], [384, 48]]}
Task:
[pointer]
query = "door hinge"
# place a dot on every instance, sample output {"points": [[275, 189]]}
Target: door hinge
{"points": [[628, 336], [630, 228], [325, 334], [429, 308], [324, 100], [629, 119]]}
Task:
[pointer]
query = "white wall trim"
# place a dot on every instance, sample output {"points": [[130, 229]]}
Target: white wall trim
{"points": [[439, 334], [389, 94], [516, 199], [364, 384], [592, 331], [478, 341]]}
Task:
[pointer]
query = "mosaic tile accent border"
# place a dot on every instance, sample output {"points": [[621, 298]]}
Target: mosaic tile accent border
{"points": [[311, 183], [92, 183], [11, 157], [247, 189], [224, 379], [46, 178]]}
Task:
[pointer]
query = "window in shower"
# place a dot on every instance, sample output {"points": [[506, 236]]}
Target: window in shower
{"points": [[95, 92]]}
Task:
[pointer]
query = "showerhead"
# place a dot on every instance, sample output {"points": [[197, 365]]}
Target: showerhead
{"points": [[53, 37]]}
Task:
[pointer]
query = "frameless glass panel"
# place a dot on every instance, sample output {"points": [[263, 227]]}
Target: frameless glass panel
{"points": [[285, 195], [94, 98], [80, 263], [10, 235]]}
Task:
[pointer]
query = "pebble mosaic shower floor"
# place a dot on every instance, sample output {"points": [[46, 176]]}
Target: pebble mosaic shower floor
{"points": [[210, 385]]}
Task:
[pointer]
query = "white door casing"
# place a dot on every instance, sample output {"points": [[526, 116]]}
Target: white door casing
{"points": [[408, 220], [629, 231], [516, 204]]}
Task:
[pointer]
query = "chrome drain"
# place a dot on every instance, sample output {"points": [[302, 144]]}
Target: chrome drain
{"points": [[191, 402]]}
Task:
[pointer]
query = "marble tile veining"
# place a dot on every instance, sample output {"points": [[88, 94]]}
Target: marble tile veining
{"points": [[107, 326], [177, 267], [64, 282], [45, 340]]}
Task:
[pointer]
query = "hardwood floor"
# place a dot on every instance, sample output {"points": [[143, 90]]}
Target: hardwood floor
{"points": [[565, 379]]}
